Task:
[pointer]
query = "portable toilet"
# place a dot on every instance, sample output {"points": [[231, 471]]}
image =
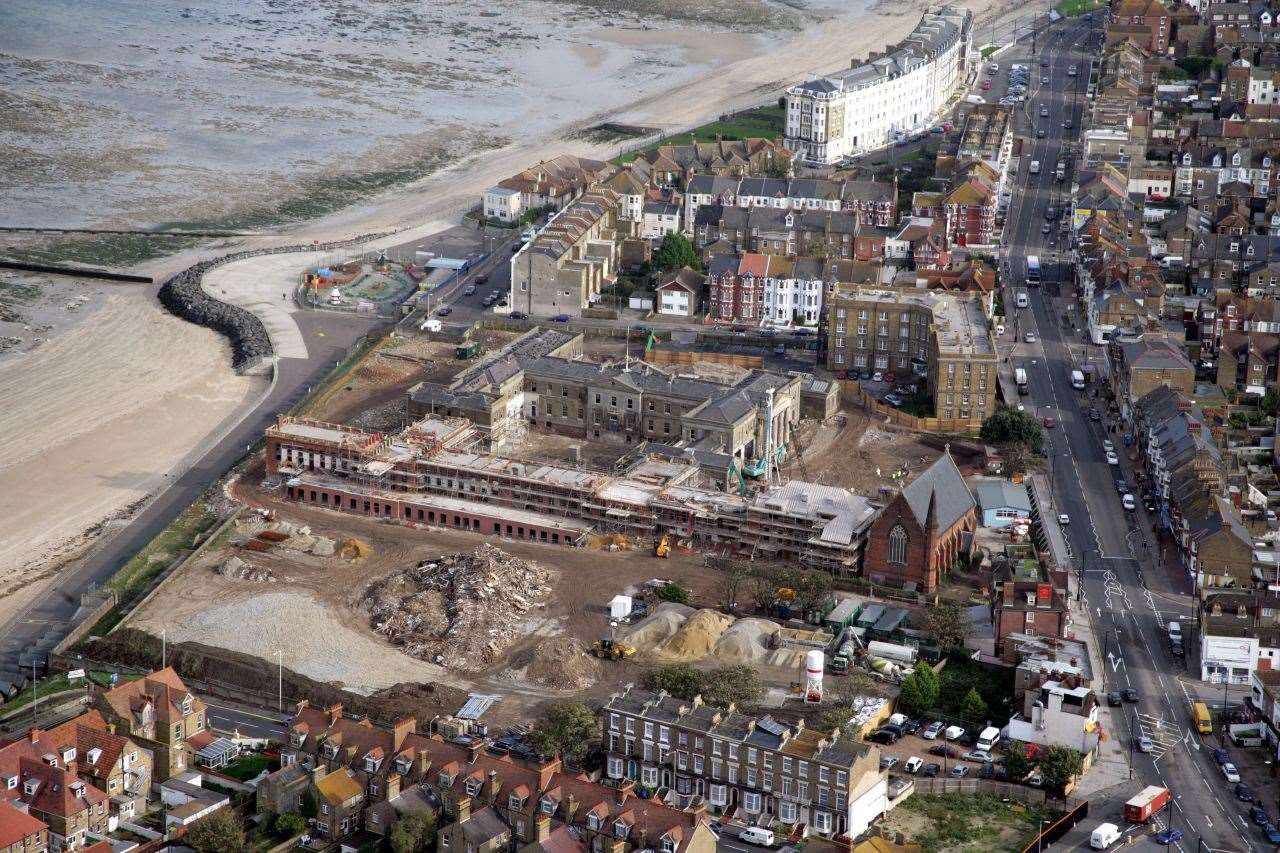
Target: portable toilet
{"points": [[619, 608]]}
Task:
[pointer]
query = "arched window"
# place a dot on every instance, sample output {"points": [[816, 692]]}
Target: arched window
{"points": [[898, 545]]}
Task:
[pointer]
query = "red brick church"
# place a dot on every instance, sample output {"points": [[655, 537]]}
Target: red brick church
{"points": [[916, 539]]}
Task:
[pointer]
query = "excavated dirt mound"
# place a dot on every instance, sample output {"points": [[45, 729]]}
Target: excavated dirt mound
{"points": [[696, 637], [746, 641], [460, 610], [651, 632], [559, 662]]}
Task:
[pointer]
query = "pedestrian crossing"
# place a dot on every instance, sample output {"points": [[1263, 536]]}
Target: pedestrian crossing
{"points": [[1165, 736]]}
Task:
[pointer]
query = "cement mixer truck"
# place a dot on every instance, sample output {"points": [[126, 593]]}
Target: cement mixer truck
{"points": [[885, 669]]}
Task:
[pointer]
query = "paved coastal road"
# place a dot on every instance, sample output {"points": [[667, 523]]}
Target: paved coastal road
{"points": [[1129, 603]]}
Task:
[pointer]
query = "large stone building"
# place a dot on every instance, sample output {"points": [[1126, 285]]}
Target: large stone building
{"points": [[765, 770], [917, 538], [563, 269], [873, 103], [945, 337]]}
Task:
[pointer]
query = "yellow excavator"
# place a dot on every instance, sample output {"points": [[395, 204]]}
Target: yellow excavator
{"points": [[612, 650], [663, 548]]}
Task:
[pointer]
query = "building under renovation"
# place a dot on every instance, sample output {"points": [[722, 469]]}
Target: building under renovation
{"points": [[436, 472]]}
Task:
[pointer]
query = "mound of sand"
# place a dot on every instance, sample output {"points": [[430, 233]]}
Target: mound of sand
{"points": [[696, 637], [746, 641], [560, 662], [650, 633]]}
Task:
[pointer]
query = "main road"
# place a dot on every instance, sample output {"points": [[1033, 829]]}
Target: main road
{"points": [[1129, 608]]}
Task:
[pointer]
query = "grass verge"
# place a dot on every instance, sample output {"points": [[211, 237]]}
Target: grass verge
{"points": [[1076, 8], [766, 122]]}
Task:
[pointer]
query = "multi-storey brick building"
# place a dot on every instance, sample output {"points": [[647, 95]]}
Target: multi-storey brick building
{"points": [[71, 808], [563, 269], [160, 714], [944, 337], [760, 767], [20, 832]]}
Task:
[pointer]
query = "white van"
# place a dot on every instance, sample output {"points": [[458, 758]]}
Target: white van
{"points": [[1104, 836], [1035, 167], [988, 739], [898, 720], [1077, 380], [1023, 301], [759, 836]]}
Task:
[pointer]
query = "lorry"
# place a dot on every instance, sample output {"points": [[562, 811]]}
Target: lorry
{"points": [[904, 655], [1077, 380], [1020, 377], [886, 669], [1145, 803], [1035, 167]]}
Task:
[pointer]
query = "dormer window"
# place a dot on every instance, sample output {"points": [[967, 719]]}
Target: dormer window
{"points": [[296, 737], [330, 750], [68, 754], [446, 781], [472, 787], [371, 763], [1186, 159], [547, 806], [402, 765], [10, 783], [1235, 160], [620, 829], [515, 803], [593, 821], [30, 787], [668, 844]]}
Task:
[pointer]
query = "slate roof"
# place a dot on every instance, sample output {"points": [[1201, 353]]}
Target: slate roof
{"points": [[943, 484], [1000, 494]]}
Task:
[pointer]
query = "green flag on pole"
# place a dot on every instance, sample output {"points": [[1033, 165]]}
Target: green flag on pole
{"points": [[650, 343]]}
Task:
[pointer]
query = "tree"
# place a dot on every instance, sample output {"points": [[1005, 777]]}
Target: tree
{"points": [[414, 832], [1009, 426], [813, 590], [679, 680], [778, 167], [220, 832], [1270, 403], [309, 808], [733, 574], [289, 824], [920, 689], [836, 718], [676, 252], [731, 684], [1195, 65], [946, 626], [1016, 762], [565, 728], [764, 586], [973, 708], [673, 591], [1059, 765]]}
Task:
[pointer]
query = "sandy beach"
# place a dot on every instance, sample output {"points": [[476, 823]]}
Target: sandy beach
{"points": [[106, 409]]}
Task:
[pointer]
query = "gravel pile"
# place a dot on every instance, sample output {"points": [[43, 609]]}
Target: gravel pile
{"points": [[182, 295], [241, 570], [459, 610]]}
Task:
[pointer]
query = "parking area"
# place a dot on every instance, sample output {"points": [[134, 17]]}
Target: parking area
{"points": [[925, 751]]}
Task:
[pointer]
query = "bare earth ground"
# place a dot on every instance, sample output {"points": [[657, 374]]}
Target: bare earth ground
{"points": [[310, 612], [862, 454]]}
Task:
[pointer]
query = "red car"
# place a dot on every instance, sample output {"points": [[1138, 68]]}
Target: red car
{"points": [[1049, 423], [986, 85], [890, 378]]}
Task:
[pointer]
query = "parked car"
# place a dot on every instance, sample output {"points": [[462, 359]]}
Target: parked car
{"points": [[1050, 423], [1272, 832], [944, 750], [1230, 773], [1169, 836], [1259, 816], [1095, 415], [910, 727], [887, 762], [482, 279], [877, 376], [932, 731], [893, 400], [959, 771], [1129, 694], [519, 315], [1221, 756], [931, 770], [1129, 503], [1064, 519], [1144, 743], [444, 311], [1112, 459], [1107, 446], [1244, 792], [560, 318], [469, 290], [1035, 779], [1030, 337], [913, 765], [980, 755], [953, 732], [885, 736]]}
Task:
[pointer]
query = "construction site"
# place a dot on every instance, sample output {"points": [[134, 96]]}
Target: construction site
{"points": [[380, 547]]}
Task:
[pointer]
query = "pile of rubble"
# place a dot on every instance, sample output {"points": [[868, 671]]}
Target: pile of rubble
{"points": [[241, 570], [459, 610]]}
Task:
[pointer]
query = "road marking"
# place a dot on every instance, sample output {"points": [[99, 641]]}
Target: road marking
{"points": [[1116, 663]]}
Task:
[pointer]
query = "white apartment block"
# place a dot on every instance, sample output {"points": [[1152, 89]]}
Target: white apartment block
{"points": [[872, 104], [796, 296]]}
